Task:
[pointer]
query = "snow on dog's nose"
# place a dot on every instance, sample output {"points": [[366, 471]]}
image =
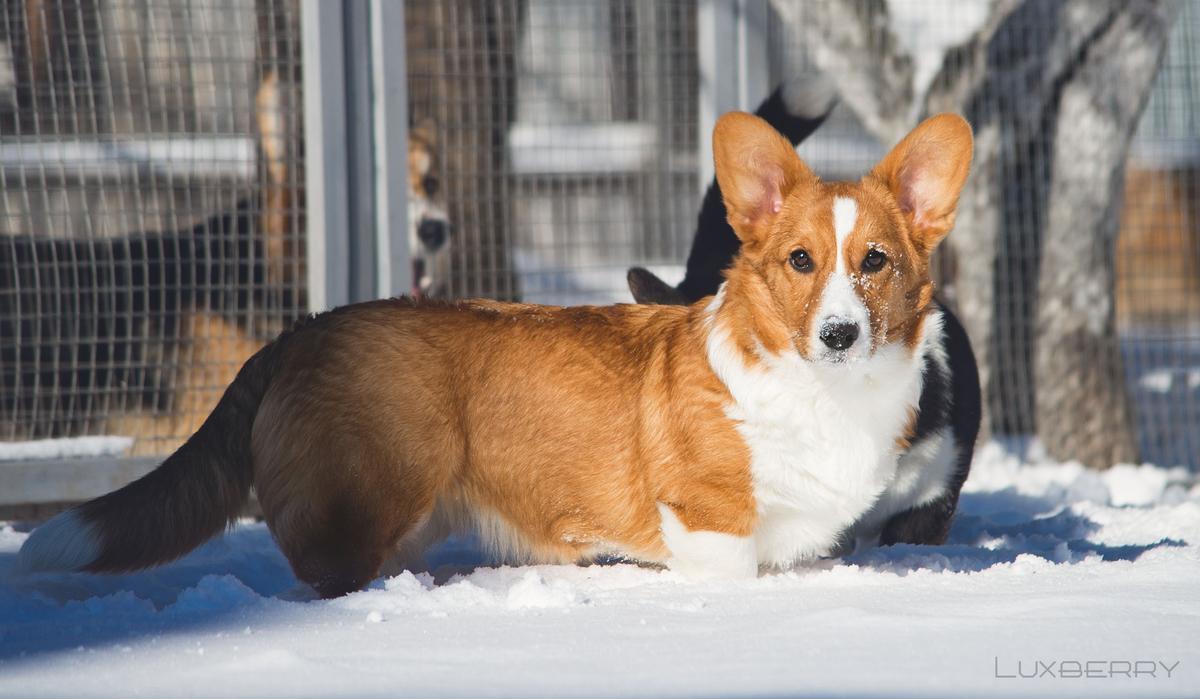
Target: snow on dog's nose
{"points": [[838, 334]]}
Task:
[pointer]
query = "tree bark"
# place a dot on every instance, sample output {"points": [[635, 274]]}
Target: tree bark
{"points": [[850, 40], [1082, 408]]}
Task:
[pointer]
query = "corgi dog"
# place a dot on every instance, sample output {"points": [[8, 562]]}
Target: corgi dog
{"points": [[743, 432], [919, 504]]}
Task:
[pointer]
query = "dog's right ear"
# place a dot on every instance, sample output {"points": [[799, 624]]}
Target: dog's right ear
{"points": [[648, 288], [756, 168]]}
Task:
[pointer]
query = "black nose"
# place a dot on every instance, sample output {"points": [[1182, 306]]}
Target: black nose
{"points": [[839, 335], [432, 233]]}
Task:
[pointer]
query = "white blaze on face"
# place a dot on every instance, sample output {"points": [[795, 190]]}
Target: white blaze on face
{"points": [[839, 302], [845, 215]]}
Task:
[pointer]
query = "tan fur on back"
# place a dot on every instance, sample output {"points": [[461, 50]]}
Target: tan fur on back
{"points": [[565, 425]]}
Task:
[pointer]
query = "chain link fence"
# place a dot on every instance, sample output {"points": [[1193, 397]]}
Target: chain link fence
{"points": [[152, 199], [1026, 258], [150, 210], [568, 137]]}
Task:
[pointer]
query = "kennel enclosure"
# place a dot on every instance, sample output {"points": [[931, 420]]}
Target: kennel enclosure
{"points": [[179, 180]]}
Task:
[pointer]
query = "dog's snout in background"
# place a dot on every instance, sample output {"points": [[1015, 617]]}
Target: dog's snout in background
{"points": [[432, 233], [429, 230]]}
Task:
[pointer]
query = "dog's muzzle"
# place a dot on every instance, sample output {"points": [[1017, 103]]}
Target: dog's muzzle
{"points": [[433, 233], [839, 334]]}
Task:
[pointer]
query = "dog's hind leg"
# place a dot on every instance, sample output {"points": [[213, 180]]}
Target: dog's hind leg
{"points": [[339, 534], [345, 548], [343, 483], [346, 508]]}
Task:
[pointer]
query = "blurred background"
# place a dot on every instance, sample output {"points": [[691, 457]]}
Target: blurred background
{"points": [[180, 180]]}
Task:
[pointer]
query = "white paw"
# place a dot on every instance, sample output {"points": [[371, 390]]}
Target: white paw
{"points": [[702, 555]]}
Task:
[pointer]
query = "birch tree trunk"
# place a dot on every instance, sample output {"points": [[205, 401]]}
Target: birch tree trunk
{"points": [[1082, 408]]}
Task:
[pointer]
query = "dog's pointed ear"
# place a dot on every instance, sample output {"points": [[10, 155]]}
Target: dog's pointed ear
{"points": [[756, 169], [646, 287], [425, 130], [926, 172]]}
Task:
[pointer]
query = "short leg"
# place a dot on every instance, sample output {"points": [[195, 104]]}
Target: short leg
{"points": [[701, 554], [339, 544], [927, 524], [341, 554]]}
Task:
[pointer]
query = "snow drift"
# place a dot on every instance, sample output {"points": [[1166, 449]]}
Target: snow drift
{"points": [[1051, 570]]}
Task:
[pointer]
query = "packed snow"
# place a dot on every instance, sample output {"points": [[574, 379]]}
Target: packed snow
{"points": [[64, 448], [1088, 580]]}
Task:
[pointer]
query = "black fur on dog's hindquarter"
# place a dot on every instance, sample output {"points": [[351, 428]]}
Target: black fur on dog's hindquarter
{"points": [[715, 243], [949, 398]]}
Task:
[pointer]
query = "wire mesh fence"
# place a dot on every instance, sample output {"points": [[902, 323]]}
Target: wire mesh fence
{"points": [[152, 199], [570, 129], [1126, 385], [567, 134], [150, 209]]}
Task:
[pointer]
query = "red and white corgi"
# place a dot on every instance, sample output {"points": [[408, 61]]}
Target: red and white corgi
{"points": [[748, 430]]}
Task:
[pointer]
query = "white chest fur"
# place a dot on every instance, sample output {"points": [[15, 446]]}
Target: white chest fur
{"points": [[822, 438]]}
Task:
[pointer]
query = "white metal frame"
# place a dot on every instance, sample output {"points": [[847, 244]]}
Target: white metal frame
{"points": [[325, 168], [734, 65], [356, 136]]}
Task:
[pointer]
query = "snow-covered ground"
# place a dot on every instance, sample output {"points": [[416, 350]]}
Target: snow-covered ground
{"points": [[1051, 570], [64, 448]]}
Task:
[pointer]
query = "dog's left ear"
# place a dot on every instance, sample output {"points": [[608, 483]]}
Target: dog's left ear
{"points": [[756, 169], [926, 172], [425, 130]]}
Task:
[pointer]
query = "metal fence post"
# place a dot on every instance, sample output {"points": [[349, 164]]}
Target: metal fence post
{"points": [[326, 169], [356, 130], [734, 65], [389, 69]]}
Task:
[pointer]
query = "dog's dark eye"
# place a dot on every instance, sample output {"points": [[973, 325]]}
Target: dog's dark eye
{"points": [[874, 260], [430, 184], [800, 261]]}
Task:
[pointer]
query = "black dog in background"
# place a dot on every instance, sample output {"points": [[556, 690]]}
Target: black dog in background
{"points": [[943, 441], [796, 110], [80, 318]]}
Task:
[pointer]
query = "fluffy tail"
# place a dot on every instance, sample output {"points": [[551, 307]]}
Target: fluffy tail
{"points": [[194, 495], [795, 110]]}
